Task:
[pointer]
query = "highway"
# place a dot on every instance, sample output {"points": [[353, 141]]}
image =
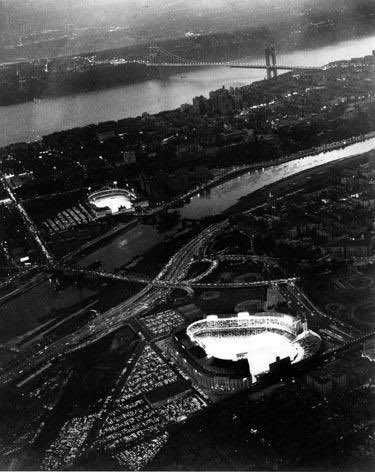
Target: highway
{"points": [[172, 275], [36, 356], [175, 283], [27, 220], [294, 295]]}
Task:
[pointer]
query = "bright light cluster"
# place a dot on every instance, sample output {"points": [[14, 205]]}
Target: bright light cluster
{"points": [[115, 200], [114, 203], [259, 338]]}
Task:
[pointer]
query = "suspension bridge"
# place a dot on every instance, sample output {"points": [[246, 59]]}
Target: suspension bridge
{"points": [[161, 58]]}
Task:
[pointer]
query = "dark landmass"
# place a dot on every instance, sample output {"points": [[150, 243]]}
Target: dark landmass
{"points": [[51, 29], [98, 68]]}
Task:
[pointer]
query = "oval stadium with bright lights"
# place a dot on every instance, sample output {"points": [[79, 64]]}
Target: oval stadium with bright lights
{"points": [[114, 200], [232, 353]]}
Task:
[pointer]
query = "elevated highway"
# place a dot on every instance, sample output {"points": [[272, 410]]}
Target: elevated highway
{"points": [[66, 270]]}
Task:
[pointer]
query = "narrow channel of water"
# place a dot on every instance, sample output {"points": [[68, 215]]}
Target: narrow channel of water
{"points": [[28, 310], [25, 312], [225, 195], [123, 248]]}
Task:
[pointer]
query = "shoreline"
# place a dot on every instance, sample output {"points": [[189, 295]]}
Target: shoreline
{"points": [[123, 229], [96, 241], [36, 135], [298, 176], [251, 201], [265, 164], [150, 75]]}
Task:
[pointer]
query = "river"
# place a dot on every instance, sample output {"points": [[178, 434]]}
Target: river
{"points": [[133, 243], [28, 310], [225, 195], [29, 121]]}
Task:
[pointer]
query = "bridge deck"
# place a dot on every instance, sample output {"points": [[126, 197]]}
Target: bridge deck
{"points": [[240, 65]]}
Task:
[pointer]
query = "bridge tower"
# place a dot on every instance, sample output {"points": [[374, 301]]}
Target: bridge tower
{"points": [[154, 53], [270, 53], [155, 58], [273, 60], [267, 53]]}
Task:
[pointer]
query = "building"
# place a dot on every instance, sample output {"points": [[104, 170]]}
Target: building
{"points": [[330, 379], [129, 157], [221, 101], [369, 349], [201, 105], [209, 373], [320, 383], [217, 354], [113, 201]]}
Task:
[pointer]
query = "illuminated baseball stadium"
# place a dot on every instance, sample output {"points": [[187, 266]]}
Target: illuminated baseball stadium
{"points": [[114, 200], [261, 339]]}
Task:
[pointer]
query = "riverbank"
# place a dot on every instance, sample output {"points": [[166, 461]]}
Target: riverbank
{"points": [[90, 245], [260, 165], [224, 198], [299, 179], [32, 120], [68, 83], [155, 248], [155, 256]]}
